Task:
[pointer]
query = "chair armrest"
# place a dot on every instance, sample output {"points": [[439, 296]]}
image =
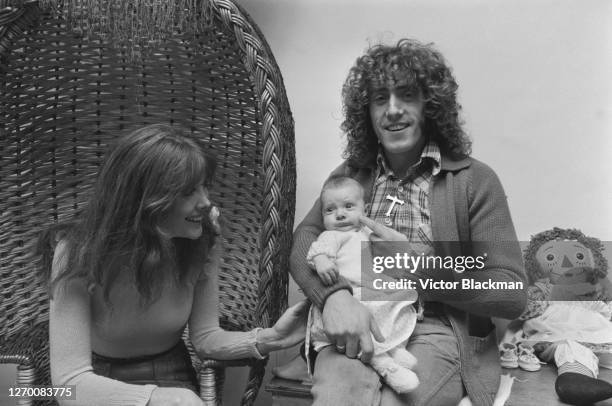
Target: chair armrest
{"points": [[26, 373], [211, 376], [29, 349]]}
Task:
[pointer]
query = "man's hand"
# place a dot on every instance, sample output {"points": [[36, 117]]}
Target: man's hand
{"points": [[381, 232], [387, 242], [326, 269], [350, 325]]}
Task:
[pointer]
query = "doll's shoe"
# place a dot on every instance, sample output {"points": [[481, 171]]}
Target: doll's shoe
{"points": [[527, 359], [540, 347], [507, 355]]}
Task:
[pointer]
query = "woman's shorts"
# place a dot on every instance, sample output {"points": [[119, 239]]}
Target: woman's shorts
{"points": [[170, 368]]}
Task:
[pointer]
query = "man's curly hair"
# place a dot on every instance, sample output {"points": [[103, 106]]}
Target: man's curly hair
{"points": [[418, 65], [535, 272]]}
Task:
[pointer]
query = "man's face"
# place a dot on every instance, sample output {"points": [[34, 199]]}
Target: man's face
{"points": [[397, 117]]}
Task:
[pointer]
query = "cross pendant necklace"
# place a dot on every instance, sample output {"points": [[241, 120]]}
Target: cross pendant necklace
{"points": [[394, 200]]}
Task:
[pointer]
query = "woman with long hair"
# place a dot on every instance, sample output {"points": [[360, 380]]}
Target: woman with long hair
{"points": [[140, 264]]}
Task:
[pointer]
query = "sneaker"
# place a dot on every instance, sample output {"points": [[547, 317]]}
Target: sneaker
{"points": [[527, 359], [508, 357]]}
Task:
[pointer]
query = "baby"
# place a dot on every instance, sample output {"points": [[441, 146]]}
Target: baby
{"points": [[337, 251]]}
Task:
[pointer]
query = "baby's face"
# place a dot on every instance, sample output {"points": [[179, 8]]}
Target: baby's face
{"points": [[342, 207]]}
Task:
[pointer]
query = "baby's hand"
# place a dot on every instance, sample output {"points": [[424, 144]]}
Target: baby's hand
{"points": [[327, 270], [329, 275]]}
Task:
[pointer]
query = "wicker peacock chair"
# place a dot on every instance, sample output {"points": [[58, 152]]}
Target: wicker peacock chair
{"points": [[65, 96]]}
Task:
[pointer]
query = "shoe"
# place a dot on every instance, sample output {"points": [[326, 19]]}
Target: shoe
{"points": [[540, 347], [508, 357], [527, 359]]}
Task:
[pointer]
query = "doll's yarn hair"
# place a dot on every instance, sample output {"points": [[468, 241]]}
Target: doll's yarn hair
{"points": [[535, 272]]}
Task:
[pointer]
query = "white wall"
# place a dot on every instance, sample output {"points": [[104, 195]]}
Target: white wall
{"points": [[534, 83]]}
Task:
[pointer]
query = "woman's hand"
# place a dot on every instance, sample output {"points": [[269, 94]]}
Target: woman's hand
{"points": [[288, 331], [174, 397]]}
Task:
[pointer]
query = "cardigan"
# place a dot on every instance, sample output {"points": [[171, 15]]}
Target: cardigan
{"points": [[469, 216]]}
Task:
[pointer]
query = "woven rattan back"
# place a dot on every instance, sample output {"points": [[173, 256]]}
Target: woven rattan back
{"points": [[64, 97]]}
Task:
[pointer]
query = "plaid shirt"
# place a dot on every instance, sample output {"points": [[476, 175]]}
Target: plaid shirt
{"points": [[412, 218]]}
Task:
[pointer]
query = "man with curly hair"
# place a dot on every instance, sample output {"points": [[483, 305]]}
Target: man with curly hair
{"points": [[407, 148]]}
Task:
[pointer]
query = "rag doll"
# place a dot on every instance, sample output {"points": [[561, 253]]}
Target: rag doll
{"points": [[568, 315]]}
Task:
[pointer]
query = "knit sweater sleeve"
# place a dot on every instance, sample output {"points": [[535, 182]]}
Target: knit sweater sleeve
{"points": [[70, 348], [306, 278], [493, 237], [208, 338]]}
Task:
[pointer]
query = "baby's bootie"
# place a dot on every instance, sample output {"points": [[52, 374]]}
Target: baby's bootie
{"points": [[527, 359], [398, 377], [508, 357], [403, 357]]}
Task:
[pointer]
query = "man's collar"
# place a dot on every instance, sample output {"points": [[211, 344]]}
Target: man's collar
{"points": [[431, 152], [450, 165]]}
